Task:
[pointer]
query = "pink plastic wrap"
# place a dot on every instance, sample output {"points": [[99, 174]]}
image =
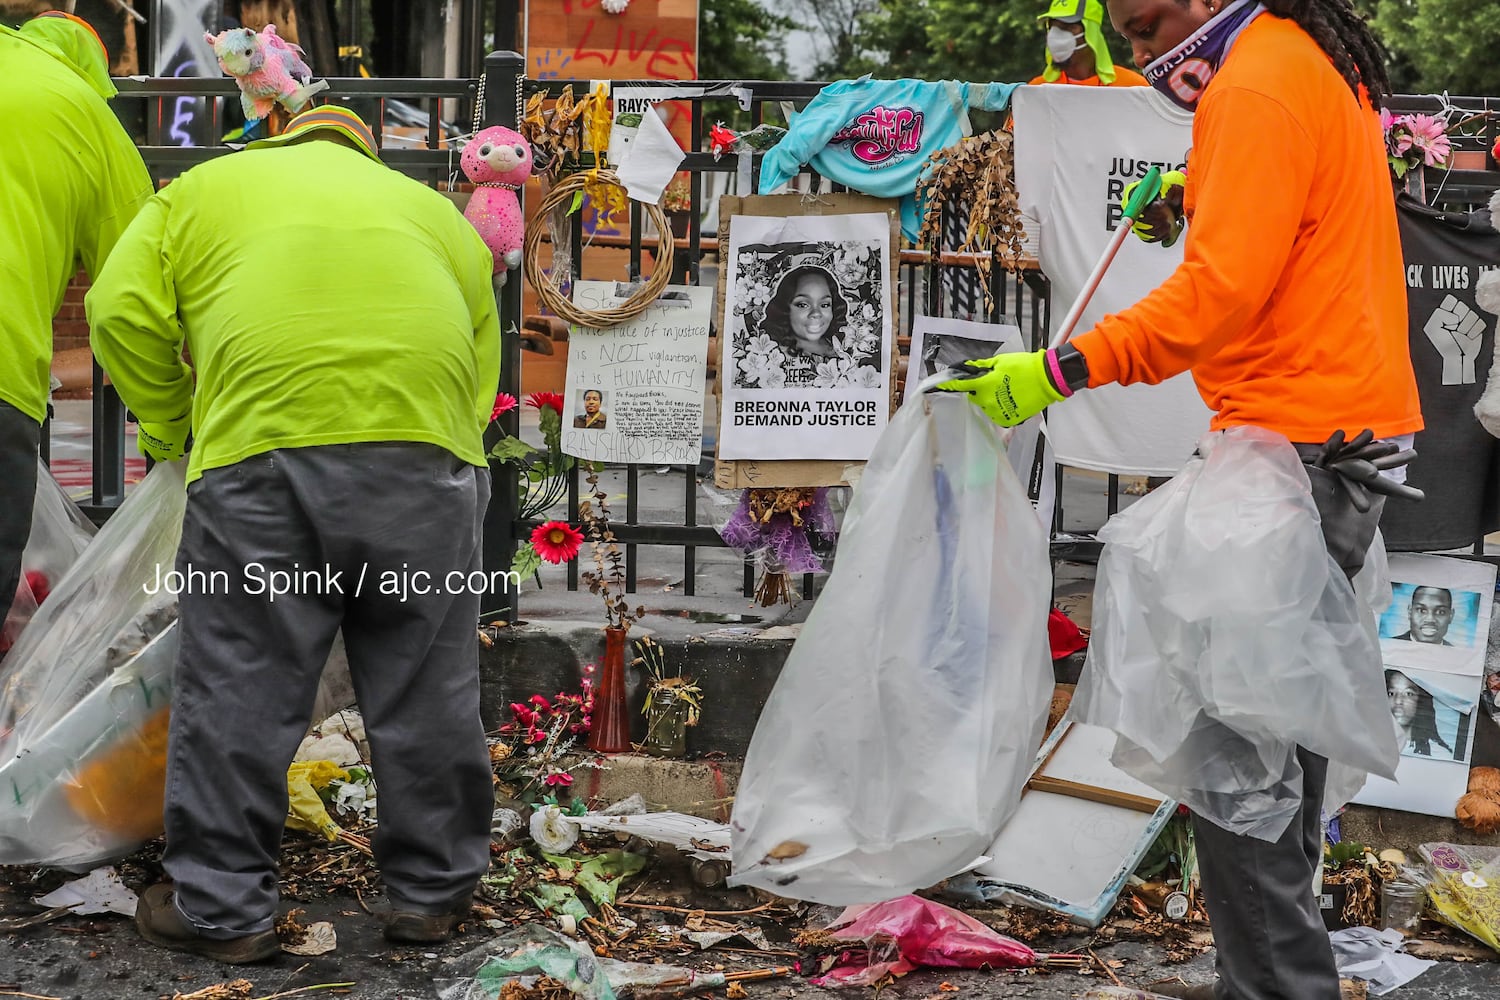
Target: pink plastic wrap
{"points": [[910, 932]]}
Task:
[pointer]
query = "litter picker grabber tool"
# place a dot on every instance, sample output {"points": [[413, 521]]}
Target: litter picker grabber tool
{"points": [[1145, 193]]}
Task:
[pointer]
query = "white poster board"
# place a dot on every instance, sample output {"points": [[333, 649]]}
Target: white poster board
{"points": [[1439, 615], [634, 391], [1432, 639], [938, 343], [1068, 854], [808, 315]]}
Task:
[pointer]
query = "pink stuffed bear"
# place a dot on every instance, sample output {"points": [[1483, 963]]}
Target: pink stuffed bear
{"points": [[498, 161], [267, 68]]}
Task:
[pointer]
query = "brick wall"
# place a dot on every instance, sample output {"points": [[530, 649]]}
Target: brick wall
{"points": [[70, 341], [69, 328]]}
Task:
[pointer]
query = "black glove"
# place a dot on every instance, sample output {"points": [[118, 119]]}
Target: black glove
{"points": [[1359, 464]]}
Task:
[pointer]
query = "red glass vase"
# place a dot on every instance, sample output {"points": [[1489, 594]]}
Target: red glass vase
{"points": [[610, 731]]}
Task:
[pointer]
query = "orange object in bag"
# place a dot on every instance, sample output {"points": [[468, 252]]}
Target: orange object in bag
{"points": [[122, 786]]}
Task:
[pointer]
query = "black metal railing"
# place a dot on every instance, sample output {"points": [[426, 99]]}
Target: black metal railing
{"points": [[161, 111], [1462, 189], [921, 287]]}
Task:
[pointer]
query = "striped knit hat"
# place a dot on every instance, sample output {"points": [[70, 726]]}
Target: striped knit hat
{"points": [[331, 116]]}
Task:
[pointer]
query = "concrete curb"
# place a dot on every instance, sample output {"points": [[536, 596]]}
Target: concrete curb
{"points": [[736, 674], [698, 788]]}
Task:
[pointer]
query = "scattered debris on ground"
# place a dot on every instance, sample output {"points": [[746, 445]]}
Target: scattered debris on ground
{"points": [[624, 888]]}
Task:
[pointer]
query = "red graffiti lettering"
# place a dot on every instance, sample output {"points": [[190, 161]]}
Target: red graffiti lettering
{"points": [[665, 58]]}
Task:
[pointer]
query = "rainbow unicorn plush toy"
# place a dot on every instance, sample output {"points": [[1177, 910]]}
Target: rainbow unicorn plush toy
{"points": [[268, 69]]}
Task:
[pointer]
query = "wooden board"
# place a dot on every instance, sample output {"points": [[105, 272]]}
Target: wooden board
{"points": [[580, 40], [744, 474], [1080, 830]]}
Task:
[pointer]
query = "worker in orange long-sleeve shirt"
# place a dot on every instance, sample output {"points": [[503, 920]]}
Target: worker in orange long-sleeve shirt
{"points": [[1077, 53], [1289, 309]]}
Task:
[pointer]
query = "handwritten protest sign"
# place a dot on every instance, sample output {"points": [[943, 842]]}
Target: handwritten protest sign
{"points": [[635, 391]]}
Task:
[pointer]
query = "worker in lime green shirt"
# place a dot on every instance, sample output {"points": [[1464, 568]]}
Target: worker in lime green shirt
{"points": [[1077, 53], [345, 349], [72, 180]]}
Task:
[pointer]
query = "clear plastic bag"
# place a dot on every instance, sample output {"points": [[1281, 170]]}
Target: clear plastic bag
{"points": [[781, 543], [1463, 888], [1225, 636], [521, 956], [901, 730], [59, 531], [84, 702], [59, 534]]}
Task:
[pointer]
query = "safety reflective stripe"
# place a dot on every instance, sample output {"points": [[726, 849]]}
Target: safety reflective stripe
{"points": [[309, 119]]}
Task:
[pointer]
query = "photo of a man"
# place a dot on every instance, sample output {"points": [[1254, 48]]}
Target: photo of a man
{"points": [[593, 416], [1430, 615]]}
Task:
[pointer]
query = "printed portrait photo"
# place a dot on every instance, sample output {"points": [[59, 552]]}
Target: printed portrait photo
{"points": [[1431, 615], [945, 351], [1434, 719], [591, 414], [808, 315]]}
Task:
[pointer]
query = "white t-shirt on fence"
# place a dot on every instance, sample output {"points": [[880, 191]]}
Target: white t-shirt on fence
{"points": [[1076, 149]]}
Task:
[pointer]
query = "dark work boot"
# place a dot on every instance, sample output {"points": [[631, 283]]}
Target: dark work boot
{"points": [[158, 920], [1179, 990], [410, 927]]}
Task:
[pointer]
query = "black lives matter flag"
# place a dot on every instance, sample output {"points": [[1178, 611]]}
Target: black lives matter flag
{"points": [[1452, 345]]}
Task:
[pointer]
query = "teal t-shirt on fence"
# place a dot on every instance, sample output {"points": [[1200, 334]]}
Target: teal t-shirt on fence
{"points": [[876, 136]]}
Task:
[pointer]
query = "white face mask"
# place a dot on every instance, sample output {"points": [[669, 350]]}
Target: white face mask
{"points": [[1061, 43]]}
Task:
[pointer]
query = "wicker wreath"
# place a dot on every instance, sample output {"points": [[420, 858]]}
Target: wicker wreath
{"points": [[554, 300]]}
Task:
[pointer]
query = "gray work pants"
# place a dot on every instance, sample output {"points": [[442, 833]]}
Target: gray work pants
{"points": [[20, 437], [1270, 939], [249, 669]]}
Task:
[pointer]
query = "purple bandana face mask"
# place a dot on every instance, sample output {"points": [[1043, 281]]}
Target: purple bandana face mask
{"points": [[1184, 73]]}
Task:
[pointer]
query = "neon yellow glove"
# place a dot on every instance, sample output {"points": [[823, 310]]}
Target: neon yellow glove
{"points": [[164, 442], [1161, 220], [1009, 388]]}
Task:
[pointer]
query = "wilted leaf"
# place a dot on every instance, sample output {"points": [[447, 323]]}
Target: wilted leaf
{"points": [[319, 940], [786, 850]]}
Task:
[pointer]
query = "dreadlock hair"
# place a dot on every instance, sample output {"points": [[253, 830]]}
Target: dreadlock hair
{"points": [[1344, 36]]}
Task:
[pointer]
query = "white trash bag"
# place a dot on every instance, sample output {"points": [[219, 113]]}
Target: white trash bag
{"points": [[903, 726], [59, 534], [59, 530], [1224, 636], [86, 691]]}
